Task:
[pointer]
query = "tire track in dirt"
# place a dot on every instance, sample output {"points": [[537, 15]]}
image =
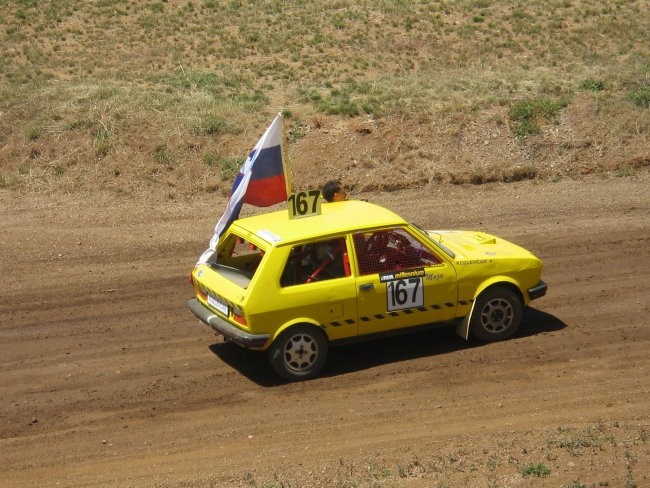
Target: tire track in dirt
{"points": [[108, 380]]}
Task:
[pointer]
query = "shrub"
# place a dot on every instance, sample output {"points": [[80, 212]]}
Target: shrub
{"points": [[526, 128], [538, 470], [526, 113], [592, 85], [640, 96]]}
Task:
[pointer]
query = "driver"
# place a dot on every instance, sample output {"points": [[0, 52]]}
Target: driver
{"points": [[334, 191]]}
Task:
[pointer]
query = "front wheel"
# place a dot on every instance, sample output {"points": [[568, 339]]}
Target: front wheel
{"points": [[497, 314], [299, 352]]}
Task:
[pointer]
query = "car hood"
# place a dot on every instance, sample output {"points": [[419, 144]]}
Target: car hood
{"points": [[477, 245]]}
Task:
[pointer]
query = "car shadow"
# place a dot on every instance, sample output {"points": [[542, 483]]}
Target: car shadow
{"points": [[369, 354], [254, 365], [537, 322]]}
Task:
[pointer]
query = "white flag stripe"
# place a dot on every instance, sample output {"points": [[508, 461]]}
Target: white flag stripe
{"points": [[272, 137]]}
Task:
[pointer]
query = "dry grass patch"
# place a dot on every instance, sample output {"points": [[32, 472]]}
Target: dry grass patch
{"points": [[115, 86]]}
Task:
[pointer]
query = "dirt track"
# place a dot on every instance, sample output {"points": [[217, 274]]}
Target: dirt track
{"points": [[107, 379]]}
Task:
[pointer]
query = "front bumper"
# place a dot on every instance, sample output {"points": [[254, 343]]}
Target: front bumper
{"points": [[537, 291], [244, 339]]}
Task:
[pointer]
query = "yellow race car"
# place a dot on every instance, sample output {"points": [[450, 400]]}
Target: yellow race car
{"points": [[296, 286]]}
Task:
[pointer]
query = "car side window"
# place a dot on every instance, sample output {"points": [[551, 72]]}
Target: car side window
{"points": [[390, 250], [316, 261]]}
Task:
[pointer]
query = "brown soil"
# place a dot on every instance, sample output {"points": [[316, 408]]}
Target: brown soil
{"points": [[109, 380]]}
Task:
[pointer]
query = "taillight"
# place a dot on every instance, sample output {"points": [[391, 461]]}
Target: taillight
{"points": [[201, 292], [238, 316]]}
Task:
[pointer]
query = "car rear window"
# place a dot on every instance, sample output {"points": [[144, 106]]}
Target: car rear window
{"points": [[238, 253]]}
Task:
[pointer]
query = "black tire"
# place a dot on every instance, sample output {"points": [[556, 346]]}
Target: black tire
{"points": [[497, 314], [299, 353]]}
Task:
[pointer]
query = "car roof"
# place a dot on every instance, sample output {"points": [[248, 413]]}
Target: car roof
{"points": [[335, 218]]}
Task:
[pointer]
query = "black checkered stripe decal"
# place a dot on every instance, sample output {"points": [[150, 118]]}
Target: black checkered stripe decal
{"points": [[397, 313]]}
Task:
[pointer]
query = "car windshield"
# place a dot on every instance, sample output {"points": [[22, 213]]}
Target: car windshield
{"points": [[439, 245]]}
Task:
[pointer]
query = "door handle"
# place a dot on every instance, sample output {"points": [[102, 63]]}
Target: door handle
{"points": [[366, 287]]}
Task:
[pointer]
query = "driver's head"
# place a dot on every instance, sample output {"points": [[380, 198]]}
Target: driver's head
{"points": [[334, 191]]}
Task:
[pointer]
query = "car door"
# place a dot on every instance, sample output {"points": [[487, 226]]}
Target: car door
{"points": [[400, 281], [316, 284]]}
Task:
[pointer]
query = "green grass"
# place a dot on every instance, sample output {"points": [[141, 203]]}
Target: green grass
{"points": [[227, 166], [215, 125], [577, 484], [528, 113], [592, 85], [538, 470], [640, 96]]}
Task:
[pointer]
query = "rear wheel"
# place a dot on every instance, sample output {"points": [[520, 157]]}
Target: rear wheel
{"points": [[497, 314], [299, 352]]}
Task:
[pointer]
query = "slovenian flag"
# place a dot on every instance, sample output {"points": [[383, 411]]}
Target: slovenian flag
{"points": [[261, 182], [262, 175]]}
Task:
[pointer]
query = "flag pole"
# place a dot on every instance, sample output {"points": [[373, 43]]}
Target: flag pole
{"points": [[285, 156]]}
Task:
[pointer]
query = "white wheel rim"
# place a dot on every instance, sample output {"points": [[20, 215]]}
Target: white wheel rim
{"points": [[300, 352]]}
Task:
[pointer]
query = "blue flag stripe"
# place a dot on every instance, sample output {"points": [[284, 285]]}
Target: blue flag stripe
{"points": [[264, 169], [268, 163]]}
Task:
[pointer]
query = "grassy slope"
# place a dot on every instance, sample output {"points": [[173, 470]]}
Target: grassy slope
{"points": [[167, 97]]}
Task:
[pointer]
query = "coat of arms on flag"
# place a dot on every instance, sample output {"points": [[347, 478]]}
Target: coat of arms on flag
{"points": [[263, 180]]}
